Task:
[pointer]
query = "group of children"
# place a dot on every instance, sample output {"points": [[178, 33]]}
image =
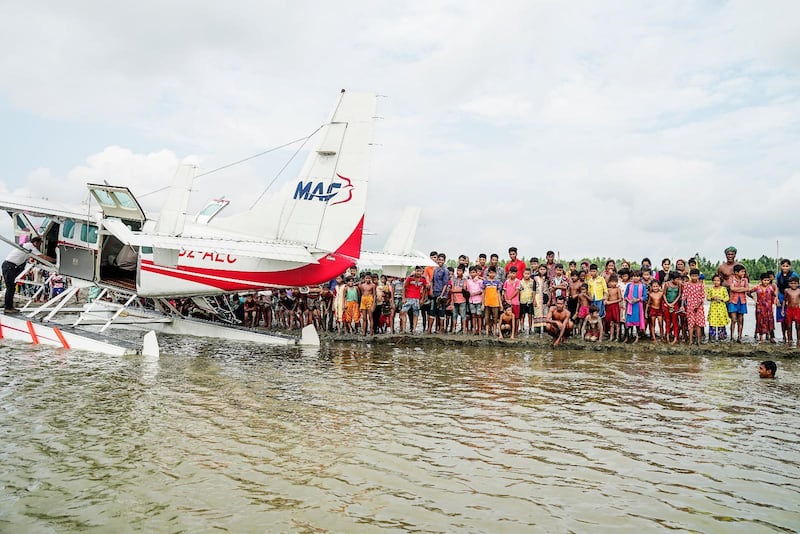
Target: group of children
{"points": [[486, 298]]}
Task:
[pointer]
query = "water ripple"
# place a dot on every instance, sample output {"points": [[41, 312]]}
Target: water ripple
{"points": [[243, 438]]}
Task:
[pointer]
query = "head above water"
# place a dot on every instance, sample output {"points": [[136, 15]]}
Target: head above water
{"points": [[767, 369]]}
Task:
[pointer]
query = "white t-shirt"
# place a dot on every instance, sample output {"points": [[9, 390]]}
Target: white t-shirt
{"points": [[17, 257]]}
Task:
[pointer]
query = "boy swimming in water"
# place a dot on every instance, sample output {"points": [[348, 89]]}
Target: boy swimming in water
{"points": [[767, 369]]}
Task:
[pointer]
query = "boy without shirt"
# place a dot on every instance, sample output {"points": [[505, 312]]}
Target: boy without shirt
{"points": [[367, 290], [352, 312], [613, 300], [558, 322], [574, 288], [791, 308], [725, 270], [507, 322], [655, 313], [767, 369], [782, 282]]}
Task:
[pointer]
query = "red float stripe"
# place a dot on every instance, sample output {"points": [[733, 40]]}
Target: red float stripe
{"points": [[61, 337], [32, 331]]}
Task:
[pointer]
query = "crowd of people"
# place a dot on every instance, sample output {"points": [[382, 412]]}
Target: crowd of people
{"points": [[597, 303]]}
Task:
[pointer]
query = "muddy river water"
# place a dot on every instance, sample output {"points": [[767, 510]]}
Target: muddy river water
{"points": [[367, 438]]}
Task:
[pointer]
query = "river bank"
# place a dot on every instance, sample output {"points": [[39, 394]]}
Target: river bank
{"points": [[725, 348]]}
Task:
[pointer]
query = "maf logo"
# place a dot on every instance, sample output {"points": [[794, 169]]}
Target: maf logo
{"points": [[323, 193]]}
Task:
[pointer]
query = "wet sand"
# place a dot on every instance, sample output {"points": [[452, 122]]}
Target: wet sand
{"points": [[747, 348]]}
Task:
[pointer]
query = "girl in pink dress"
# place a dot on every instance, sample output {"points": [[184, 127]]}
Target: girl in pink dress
{"points": [[694, 295]]}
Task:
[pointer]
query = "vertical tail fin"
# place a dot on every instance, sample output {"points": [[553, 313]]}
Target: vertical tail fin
{"points": [[324, 207], [330, 196]]}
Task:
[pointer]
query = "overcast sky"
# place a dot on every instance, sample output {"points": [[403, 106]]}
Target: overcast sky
{"points": [[618, 129]]}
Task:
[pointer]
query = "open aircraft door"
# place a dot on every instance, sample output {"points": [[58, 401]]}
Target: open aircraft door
{"points": [[122, 215], [118, 202]]}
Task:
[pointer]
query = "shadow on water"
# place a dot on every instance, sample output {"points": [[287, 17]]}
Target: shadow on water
{"points": [[366, 437]]}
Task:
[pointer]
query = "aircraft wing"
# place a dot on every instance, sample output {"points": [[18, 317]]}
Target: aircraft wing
{"points": [[266, 250], [271, 250], [39, 207]]}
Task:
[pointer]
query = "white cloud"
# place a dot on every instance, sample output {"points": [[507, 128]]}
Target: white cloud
{"points": [[618, 127]]}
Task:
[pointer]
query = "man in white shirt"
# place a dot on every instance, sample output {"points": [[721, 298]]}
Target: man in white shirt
{"points": [[14, 265]]}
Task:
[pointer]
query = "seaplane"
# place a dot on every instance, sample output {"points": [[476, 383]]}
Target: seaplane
{"points": [[306, 235]]}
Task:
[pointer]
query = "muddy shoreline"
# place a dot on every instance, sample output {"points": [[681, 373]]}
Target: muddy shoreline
{"points": [[745, 349]]}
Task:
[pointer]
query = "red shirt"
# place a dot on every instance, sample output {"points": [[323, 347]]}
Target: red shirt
{"points": [[414, 287], [519, 264]]}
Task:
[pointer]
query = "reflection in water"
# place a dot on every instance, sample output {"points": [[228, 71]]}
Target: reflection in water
{"points": [[359, 438]]}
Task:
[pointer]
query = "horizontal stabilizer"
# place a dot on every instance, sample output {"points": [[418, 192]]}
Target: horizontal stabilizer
{"points": [[392, 264]]}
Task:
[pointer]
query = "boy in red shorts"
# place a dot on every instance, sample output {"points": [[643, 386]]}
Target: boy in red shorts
{"points": [[655, 313], [613, 298], [791, 309]]}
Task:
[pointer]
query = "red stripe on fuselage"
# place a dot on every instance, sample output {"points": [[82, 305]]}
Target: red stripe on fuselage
{"points": [[328, 268]]}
